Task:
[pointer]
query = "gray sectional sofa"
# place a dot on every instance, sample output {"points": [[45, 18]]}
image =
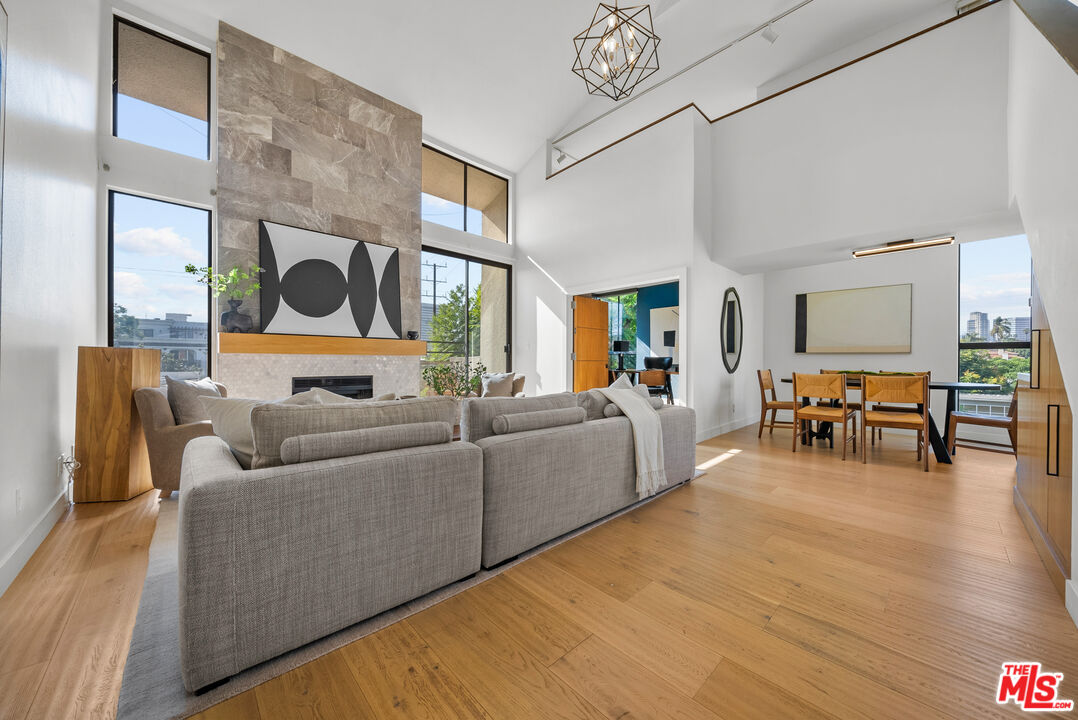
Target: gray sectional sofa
{"points": [[352, 511]]}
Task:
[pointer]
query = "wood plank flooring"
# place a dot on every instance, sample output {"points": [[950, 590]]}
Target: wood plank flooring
{"points": [[778, 585]]}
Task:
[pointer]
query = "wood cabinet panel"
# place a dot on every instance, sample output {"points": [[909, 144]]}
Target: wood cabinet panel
{"points": [[1043, 485]]}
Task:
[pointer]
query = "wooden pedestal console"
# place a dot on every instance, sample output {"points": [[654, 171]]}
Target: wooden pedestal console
{"points": [[109, 443]]}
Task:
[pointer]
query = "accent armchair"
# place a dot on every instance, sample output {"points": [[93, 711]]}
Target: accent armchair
{"points": [[165, 440]]}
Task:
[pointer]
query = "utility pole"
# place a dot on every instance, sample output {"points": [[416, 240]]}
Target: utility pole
{"points": [[434, 282]]}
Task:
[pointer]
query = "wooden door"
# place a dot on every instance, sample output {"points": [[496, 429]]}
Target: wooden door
{"points": [[1057, 454], [591, 340]]}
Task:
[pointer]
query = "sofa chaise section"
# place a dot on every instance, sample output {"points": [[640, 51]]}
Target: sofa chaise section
{"points": [[540, 484], [272, 559]]}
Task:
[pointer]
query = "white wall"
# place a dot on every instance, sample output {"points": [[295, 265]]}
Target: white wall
{"points": [[49, 254], [934, 275], [1043, 156], [907, 143], [637, 214]]}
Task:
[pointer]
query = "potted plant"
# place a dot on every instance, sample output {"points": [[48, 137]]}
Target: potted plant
{"points": [[237, 285], [454, 378]]}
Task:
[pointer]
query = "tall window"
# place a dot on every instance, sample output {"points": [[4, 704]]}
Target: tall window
{"points": [[463, 197], [160, 91], [155, 304], [465, 310], [994, 319], [622, 326]]}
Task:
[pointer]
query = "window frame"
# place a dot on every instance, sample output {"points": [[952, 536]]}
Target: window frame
{"points": [[116, 20], [111, 231], [987, 344], [508, 292], [465, 165]]}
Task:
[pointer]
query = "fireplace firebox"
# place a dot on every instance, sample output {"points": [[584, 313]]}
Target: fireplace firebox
{"points": [[350, 386]]}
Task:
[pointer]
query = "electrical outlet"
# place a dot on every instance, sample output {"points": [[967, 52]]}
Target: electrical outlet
{"points": [[18, 500]]}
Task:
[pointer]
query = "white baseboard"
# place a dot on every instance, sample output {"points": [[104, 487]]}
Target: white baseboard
{"points": [[723, 428], [14, 561], [1072, 600]]}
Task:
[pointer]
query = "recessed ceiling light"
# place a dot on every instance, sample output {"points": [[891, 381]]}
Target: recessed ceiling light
{"points": [[899, 245]]}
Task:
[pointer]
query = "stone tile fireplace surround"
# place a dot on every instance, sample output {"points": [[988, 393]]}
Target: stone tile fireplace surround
{"points": [[269, 376]]}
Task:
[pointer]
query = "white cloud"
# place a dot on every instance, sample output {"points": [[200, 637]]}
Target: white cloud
{"points": [[129, 285], [157, 242]]}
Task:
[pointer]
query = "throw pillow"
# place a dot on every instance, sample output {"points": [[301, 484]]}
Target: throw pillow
{"points": [[347, 443], [183, 398], [329, 397], [518, 385], [231, 420], [497, 384], [537, 420]]}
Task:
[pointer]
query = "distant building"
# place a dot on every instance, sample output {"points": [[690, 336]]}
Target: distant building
{"points": [[1020, 328], [977, 326], [188, 341]]}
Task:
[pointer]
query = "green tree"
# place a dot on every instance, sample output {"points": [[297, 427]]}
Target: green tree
{"points": [[623, 326], [982, 366], [456, 318], [1001, 329], [125, 328]]}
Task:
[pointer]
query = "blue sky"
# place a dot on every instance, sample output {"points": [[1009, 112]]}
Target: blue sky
{"points": [[995, 278], [153, 240], [149, 124]]}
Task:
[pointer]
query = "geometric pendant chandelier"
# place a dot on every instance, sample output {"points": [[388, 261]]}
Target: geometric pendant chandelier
{"points": [[617, 51]]}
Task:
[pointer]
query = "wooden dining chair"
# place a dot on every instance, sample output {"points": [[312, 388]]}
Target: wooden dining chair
{"points": [[655, 382], [853, 405], [894, 408], [823, 387], [1008, 423], [912, 391], [772, 404]]}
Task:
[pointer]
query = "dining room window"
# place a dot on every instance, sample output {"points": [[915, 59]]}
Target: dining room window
{"points": [[995, 285]]}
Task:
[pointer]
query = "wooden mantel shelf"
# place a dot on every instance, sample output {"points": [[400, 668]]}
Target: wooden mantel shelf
{"points": [[265, 343]]}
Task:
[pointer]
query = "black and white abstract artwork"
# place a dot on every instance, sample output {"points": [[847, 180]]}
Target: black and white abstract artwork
{"points": [[319, 284]]}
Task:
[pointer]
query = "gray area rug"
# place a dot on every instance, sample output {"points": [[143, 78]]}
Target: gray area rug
{"points": [[152, 687]]}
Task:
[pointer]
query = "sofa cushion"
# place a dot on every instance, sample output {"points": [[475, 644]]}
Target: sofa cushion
{"points": [[518, 384], [346, 443], [275, 423], [183, 398], [477, 416], [537, 420], [497, 384], [231, 419]]}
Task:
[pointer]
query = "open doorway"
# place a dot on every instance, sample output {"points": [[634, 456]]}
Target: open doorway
{"points": [[624, 332]]}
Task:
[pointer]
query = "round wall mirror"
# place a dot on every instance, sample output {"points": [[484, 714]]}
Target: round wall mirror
{"points": [[730, 329]]}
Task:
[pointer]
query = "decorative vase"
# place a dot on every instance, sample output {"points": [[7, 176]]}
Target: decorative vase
{"points": [[235, 321]]}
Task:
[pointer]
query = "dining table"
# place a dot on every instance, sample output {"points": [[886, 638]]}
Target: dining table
{"points": [[940, 441]]}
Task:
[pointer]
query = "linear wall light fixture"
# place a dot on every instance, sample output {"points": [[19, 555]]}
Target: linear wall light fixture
{"points": [[899, 245]]}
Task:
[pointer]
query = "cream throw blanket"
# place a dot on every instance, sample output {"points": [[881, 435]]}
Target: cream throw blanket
{"points": [[647, 437]]}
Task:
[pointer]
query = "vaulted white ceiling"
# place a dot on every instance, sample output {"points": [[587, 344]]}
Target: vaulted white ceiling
{"points": [[492, 78]]}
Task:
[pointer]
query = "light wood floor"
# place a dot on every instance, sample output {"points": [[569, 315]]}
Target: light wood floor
{"points": [[776, 586]]}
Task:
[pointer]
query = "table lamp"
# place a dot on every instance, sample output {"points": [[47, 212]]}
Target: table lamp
{"points": [[620, 348]]}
